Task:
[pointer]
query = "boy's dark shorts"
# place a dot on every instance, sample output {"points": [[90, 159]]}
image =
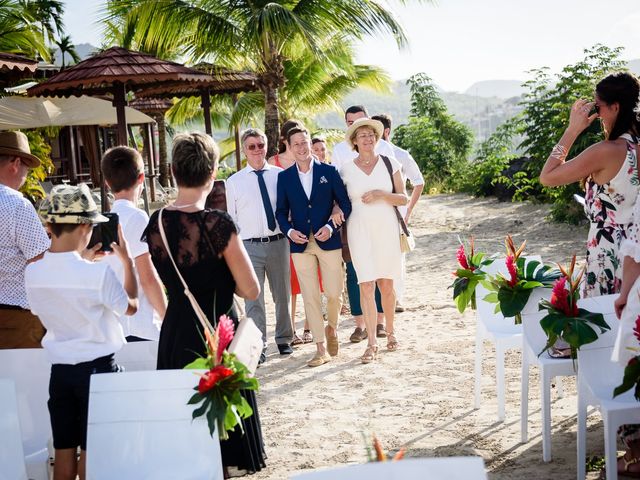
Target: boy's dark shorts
{"points": [[69, 400]]}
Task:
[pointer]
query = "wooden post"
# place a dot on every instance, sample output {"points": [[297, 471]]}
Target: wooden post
{"points": [[236, 134], [119, 101], [73, 166], [206, 107], [152, 170]]}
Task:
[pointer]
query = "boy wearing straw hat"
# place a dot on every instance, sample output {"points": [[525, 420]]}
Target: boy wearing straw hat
{"points": [[22, 240], [78, 302]]}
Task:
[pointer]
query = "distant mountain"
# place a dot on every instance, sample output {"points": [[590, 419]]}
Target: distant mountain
{"points": [[496, 88], [83, 50]]}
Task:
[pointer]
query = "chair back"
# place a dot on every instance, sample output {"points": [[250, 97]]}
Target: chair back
{"points": [[140, 426], [12, 465], [444, 468], [492, 321], [29, 368], [602, 304], [534, 336], [138, 356], [596, 370]]}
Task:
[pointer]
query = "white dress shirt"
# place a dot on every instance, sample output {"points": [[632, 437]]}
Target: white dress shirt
{"points": [[79, 303], [306, 179], [22, 237], [146, 322], [244, 201], [343, 153]]}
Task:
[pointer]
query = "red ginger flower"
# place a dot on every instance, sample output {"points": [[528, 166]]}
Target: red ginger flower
{"points": [[513, 271], [636, 330], [560, 297], [462, 257], [212, 377], [225, 335]]}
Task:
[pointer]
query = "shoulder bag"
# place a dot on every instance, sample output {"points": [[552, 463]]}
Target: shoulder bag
{"points": [[407, 242]]}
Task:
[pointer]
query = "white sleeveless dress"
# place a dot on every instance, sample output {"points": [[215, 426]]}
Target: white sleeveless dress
{"points": [[373, 230]]}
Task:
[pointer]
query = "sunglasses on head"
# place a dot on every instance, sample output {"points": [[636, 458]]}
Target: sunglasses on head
{"points": [[255, 146]]}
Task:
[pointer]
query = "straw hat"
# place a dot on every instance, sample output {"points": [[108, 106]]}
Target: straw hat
{"points": [[363, 122], [72, 204], [17, 144]]}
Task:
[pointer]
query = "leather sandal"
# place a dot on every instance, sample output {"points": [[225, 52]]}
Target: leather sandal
{"points": [[370, 354], [625, 469], [307, 337], [296, 340], [392, 343]]}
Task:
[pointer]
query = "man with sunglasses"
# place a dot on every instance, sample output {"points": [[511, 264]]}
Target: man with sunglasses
{"points": [[22, 241], [251, 202]]}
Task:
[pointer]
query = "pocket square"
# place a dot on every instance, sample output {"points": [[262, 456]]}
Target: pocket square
{"points": [[323, 179]]}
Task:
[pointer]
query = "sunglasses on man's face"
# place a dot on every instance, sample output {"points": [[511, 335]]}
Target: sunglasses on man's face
{"points": [[255, 146]]}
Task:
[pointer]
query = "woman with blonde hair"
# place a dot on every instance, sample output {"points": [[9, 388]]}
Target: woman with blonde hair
{"points": [[375, 187]]}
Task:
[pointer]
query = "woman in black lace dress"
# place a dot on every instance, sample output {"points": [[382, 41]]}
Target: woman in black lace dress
{"points": [[213, 261]]}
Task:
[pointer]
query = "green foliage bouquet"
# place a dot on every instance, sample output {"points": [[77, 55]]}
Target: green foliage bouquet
{"points": [[219, 388], [631, 378], [468, 276], [511, 294], [564, 320]]}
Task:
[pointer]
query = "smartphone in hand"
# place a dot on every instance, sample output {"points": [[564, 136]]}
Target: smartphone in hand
{"points": [[107, 233]]}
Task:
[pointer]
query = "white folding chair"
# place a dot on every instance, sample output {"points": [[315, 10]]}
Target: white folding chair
{"points": [[29, 368], [12, 465], [137, 356], [495, 328], [534, 341], [140, 427], [597, 378], [444, 468]]}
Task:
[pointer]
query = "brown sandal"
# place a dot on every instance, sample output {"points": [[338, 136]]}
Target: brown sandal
{"points": [[392, 343], [370, 354], [296, 340], [307, 337], [625, 471]]}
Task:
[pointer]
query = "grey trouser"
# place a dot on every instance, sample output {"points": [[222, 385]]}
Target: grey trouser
{"points": [[271, 259]]}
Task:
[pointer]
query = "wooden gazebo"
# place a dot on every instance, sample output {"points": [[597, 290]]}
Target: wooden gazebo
{"points": [[15, 67]]}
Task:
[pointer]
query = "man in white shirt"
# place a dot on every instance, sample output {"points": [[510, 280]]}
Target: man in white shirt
{"points": [[123, 171], [251, 202], [23, 240], [411, 172]]}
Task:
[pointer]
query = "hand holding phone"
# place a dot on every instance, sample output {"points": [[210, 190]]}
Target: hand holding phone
{"points": [[105, 233]]}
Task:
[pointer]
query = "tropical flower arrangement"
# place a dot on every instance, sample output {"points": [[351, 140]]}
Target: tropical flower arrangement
{"points": [[511, 293], [468, 275], [219, 387], [375, 452], [564, 320], [631, 378]]}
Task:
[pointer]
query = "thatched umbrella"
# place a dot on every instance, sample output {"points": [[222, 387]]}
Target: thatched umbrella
{"points": [[115, 72], [224, 81]]}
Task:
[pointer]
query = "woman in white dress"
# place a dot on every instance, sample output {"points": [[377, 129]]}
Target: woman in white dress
{"points": [[374, 232]]}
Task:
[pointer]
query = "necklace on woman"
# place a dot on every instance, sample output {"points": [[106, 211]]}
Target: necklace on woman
{"points": [[186, 205]]}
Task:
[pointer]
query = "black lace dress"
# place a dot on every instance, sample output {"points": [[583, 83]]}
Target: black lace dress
{"points": [[196, 241]]}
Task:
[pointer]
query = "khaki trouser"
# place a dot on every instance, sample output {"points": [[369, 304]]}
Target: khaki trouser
{"points": [[20, 329], [330, 264]]}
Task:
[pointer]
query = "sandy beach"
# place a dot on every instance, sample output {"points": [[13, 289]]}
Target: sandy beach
{"points": [[421, 396]]}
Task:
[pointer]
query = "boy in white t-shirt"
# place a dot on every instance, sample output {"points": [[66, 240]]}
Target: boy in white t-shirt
{"points": [[123, 172], [78, 302]]}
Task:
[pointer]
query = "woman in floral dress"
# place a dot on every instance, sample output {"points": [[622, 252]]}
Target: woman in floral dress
{"points": [[611, 169]]}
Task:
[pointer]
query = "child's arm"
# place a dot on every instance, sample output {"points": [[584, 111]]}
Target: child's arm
{"points": [[130, 284], [150, 283]]}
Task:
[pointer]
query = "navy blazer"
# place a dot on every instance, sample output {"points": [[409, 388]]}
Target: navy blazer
{"points": [[295, 210]]}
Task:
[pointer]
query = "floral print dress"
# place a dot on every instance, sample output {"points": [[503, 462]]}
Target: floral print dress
{"points": [[609, 208]]}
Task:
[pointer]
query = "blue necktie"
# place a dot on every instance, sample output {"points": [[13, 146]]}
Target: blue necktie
{"points": [[266, 202]]}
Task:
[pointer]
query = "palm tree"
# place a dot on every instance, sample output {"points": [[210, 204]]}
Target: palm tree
{"points": [[259, 35], [66, 46], [48, 14], [19, 32]]}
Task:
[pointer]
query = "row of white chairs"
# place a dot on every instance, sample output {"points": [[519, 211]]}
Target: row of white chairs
{"points": [[597, 374]]}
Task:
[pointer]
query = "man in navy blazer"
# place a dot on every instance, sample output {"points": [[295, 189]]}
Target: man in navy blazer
{"points": [[307, 193]]}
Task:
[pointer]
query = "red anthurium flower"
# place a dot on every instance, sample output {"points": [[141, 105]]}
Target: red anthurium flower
{"points": [[513, 271], [225, 335], [212, 377], [462, 258], [560, 297], [636, 330]]}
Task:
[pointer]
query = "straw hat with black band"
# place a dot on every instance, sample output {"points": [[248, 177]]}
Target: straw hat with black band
{"points": [[363, 122], [17, 144]]}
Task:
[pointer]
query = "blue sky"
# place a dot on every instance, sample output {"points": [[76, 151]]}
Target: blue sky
{"points": [[458, 42]]}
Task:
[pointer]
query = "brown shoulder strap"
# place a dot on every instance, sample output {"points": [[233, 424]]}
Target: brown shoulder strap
{"points": [[387, 164]]}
